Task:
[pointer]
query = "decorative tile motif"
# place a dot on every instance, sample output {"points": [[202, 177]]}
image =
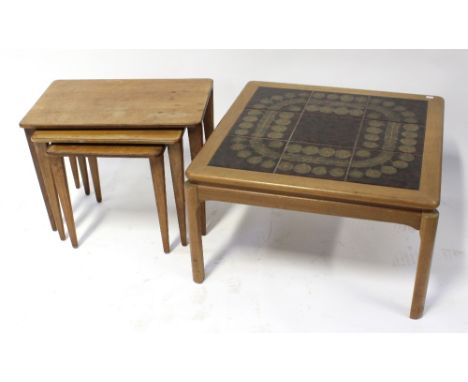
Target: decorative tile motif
{"points": [[345, 137]]}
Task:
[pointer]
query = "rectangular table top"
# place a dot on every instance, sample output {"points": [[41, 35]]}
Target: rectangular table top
{"points": [[366, 146], [142, 103]]}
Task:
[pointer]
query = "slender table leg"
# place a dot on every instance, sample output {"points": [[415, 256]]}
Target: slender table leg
{"points": [[208, 119], [196, 248], [427, 232], [159, 184], [46, 171], [176, 159], [84, 173], [195, 134], [93, 165], [40, 178], [61, 184], [74, 168]]}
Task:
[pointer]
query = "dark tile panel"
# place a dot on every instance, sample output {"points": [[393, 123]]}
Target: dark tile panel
{"points": [[397, 110], [385, 168], [327, 129], [245, 153], [278, 99]]}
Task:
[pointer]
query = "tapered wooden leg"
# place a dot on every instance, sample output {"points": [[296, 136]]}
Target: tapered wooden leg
{"points": [[40, 178], [93, 165], [61, 184], [45, 168], [176, 160], [74, 168], [84, 173], [208, 120], [196, 142], [159, 184], [427, 232], [196, 248]]}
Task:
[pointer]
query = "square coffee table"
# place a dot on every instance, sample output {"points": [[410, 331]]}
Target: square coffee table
{"points": [[126, 104], [344, 152]]}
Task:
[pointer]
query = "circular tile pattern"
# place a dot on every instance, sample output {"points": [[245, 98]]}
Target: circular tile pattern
{"points": [[275, 144], [279, 129], [356, 112], [320, 170], [374, 130], [265, 101], [312, 108], [372, 173], [318, 95], [400, 164], [283, 121], [275, 135], [289, 95], [337, 172], [373, 115], [294, 108], [286, 114], [370, 145], [343, 154], [407, 149], [310, 150], [244, 153], [363, 153], [285, 166], [388, 170], [407, 157], [409, 142], [246, 125], [277, 98], [250, 119], [341, 111], [302, 168], [371, 137], [241, 132], [326, 152], [388, 103], [268, 164], [356, 174], [347, 98], [254, 112], [259, 106], [333, 96], [409, 134], [255, 159], [326, 109], [238, 146], [294, 148]]}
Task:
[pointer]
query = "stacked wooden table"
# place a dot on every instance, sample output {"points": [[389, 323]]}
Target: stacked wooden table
{"points": [[344, 152], [117, 112]]}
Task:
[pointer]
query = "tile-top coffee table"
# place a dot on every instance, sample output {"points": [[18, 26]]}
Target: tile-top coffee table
{"points": [[344, 152]]}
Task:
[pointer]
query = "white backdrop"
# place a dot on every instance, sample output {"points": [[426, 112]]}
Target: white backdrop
{"points": [[267, 270]]}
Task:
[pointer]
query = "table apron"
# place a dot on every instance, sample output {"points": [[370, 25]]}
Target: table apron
{"points": [[411, 218]]}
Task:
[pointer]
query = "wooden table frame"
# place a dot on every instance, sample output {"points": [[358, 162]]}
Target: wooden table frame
{"points": [[414, 208], [43, 172]]}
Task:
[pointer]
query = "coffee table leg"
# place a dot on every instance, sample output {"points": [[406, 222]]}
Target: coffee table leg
{"points": [[195, 134], [46, 171], [40, 179], [208, 119], [196, 248], [84, 173], [93, 166], [74, 168], [176, 159], [427, 232]]}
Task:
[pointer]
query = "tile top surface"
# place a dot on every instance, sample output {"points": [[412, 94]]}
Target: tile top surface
{"points": [[120, 103], [329, 135]]}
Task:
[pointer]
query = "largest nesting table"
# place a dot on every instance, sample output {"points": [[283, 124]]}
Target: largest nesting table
{"points": [[344, 152]]}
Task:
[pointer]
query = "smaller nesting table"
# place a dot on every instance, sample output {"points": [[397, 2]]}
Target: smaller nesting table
{"points": [[344, 152]]}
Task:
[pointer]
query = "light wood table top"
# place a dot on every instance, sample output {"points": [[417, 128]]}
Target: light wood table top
{"points": [[145, 103], [354, 145]]}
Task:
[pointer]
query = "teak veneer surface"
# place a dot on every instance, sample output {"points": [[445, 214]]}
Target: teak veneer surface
{"points": [[145, 103], [106, 151]]}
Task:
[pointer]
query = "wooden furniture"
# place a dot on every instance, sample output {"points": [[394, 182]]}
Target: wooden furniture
{"points": [[151, 104], [111, 143], [344, 152]]}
